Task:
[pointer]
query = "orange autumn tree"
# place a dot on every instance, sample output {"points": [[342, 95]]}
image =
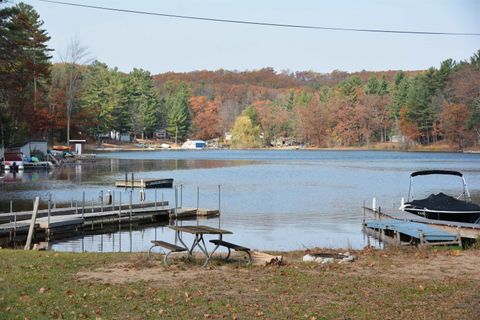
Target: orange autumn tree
{"points": [[205, 117], [453, 120], [408, 128], [273, 119]]}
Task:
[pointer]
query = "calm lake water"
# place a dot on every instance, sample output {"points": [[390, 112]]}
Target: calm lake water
{"points": [[271, 200]]}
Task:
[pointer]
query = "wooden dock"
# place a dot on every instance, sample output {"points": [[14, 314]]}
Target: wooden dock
{"points": [[182, 213], [466, 230], [410, 233], [67, 222], [24, 215], [145, 183]]}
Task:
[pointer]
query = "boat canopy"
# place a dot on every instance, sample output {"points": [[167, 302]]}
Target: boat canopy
{"points": [[428, 172]]}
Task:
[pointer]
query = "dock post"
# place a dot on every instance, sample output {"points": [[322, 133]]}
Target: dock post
{"points": [[49, 212], [142, 191], [126, 180], [155, 199], [219, 220], [32, 223], [218, 199], [176, 201], [131, 205], [76, 207], [379, 213], [101, 200], [83, 204], [198, 197], [71, 203], [364, 213], [132, 180], [113, 201], [181, 195], [459, 238], [92, 212], [120, 207]]}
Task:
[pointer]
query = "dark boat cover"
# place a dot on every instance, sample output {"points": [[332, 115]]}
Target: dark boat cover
{"points": [[429, 172], [443, 202]]}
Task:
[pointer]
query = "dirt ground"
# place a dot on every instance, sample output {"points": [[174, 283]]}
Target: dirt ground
{"points": [[392, 264]]}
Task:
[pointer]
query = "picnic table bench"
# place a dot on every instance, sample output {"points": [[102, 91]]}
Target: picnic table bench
{"points": [[169, 246], [233, 246]]}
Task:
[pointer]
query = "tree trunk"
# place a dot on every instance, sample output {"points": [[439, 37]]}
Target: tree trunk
{"points": [[69, 113]]}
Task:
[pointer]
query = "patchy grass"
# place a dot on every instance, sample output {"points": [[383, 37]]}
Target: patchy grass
{"points": [[400, 284]]}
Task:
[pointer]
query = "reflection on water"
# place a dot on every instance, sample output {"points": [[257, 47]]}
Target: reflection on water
{"points": [[275, 200]]}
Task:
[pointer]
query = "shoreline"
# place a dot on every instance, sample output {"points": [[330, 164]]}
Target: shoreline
{"points": [[393, 148]]}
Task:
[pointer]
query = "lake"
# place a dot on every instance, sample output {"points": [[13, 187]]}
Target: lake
{"points": [[271, 200]]}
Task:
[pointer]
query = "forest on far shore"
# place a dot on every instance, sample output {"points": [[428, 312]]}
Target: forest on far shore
{"points": [[80, 98]]}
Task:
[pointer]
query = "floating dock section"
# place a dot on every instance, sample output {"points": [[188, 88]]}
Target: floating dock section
{"points": [[466, 230], [183, 213], [145, 183], [410, 233]]}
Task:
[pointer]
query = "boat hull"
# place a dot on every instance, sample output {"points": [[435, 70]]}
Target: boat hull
{"points": [[458, 216]]}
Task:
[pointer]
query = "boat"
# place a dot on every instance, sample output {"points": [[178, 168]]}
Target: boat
{"points": [[194, 144], [13, 161], [441, 206], [61, 148]]}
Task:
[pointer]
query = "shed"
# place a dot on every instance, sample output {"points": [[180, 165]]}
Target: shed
{"points": [[34, 146], [77, 146]]}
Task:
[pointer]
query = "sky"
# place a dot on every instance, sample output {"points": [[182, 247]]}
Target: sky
{"points": [[161, 44]]}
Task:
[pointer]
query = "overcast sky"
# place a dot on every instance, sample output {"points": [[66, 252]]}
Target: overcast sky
{"points": [[161, 44]]}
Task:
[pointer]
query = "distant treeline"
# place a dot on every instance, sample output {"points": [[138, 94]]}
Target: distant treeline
{"points": [[76, 99]]}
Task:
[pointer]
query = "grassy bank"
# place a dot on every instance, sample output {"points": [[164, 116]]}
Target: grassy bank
{"points": [[400, 284]]}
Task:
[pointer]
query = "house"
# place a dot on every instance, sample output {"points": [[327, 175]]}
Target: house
{"points": [[398, 138], [77, 146]]}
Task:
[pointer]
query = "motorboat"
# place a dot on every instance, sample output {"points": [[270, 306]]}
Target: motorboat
{"points": [[441, 206], [13, 161], [194, 144]]}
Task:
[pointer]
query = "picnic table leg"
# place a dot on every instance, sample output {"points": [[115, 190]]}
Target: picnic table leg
{"points": [[203, 247], [179, 236], [195, 243], [213, 251]]}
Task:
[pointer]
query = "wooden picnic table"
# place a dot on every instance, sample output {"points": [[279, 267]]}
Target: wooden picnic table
{"points": [[198, 241]]}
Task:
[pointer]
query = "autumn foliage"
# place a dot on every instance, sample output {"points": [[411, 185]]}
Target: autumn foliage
{"points": [[262, 107]]}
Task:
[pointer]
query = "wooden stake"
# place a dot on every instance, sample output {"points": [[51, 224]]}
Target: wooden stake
{"points": [[32, 224]]}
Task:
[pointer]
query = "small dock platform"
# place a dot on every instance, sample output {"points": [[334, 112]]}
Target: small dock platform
{"points": [[182, 213], [47, 165], [466, 230], [410, 233], [145, 183]]}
